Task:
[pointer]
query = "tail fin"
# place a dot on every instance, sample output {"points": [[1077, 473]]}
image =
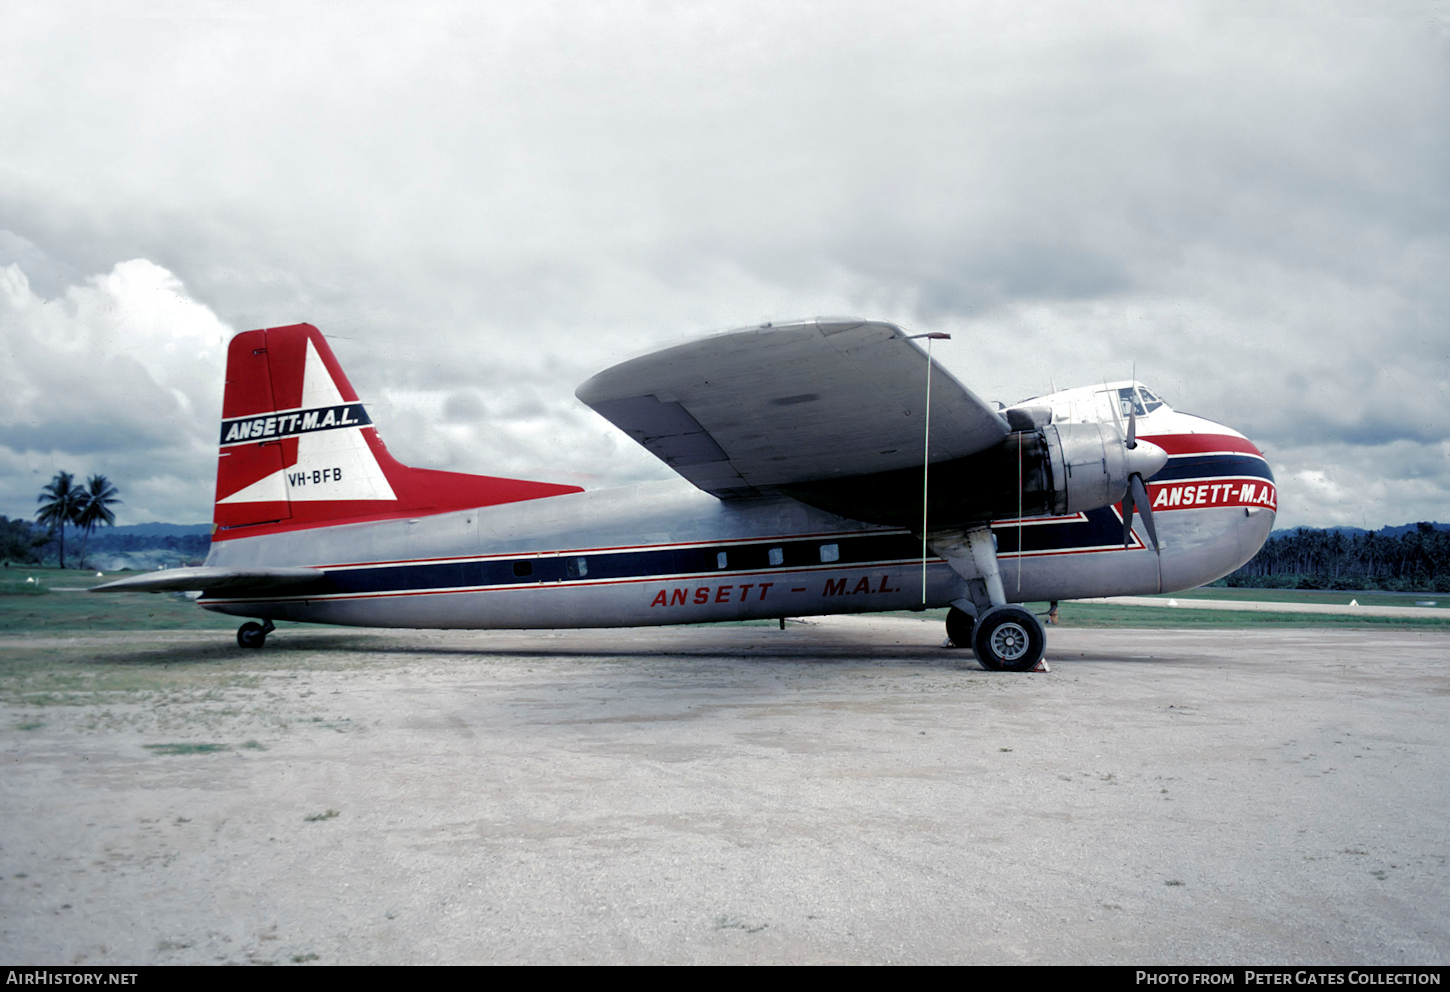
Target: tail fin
{"points": [[298, 450]]}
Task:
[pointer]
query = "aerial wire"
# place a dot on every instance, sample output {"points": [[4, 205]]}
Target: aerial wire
{"points": [[925, 470], [926, 450]]}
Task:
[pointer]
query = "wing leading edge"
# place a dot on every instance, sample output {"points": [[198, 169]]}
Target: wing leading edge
{"points": [[748, 412]]}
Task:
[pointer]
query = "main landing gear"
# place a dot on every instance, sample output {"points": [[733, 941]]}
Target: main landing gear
{"points": [[1005, 637], [1008, 638], [254, 635]]}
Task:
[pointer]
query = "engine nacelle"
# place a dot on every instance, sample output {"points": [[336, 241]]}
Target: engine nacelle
{"points": [[1056, 469], [1089, 465]]}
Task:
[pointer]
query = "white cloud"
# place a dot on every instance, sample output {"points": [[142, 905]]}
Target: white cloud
{"points": [[119, 376], [485, 204]]}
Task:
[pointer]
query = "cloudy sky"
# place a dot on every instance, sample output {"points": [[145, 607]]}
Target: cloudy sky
{"points": [[484, 204]]}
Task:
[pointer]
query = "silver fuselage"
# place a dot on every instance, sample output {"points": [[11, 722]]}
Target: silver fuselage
{"points": [[668, 553]]}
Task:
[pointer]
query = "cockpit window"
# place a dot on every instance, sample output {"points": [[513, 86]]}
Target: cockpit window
{"points": [[1149, 400], [1128, 402]]}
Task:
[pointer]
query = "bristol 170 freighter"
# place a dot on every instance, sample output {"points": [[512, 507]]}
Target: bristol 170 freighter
{"points": [[817, 478]]}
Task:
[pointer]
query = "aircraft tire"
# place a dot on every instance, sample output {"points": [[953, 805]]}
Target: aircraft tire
{"points": [[251, 635], [1009, 639], [959, 627]]}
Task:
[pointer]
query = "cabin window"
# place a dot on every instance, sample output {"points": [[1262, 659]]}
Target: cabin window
{"points": [[1150, 402], [577, 567], [720, 560], [830, 552], [523, 569], [776, 556]]}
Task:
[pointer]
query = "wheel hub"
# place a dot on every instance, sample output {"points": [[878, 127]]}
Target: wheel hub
{"points": [[1009, 641]]}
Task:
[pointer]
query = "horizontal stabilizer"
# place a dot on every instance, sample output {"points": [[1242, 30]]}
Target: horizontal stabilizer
{"points": [[202, 579]]}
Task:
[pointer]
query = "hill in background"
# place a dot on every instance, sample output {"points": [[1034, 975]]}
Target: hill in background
{"points": [[110, 549], [145, 546], [1399, 531]]}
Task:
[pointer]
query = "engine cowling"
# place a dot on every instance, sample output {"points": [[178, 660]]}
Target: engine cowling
{"points": [[1090, 465]]}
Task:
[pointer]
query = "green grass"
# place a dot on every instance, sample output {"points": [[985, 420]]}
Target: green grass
{"points": [[63, 610], [19, 587], [1333, 598]]}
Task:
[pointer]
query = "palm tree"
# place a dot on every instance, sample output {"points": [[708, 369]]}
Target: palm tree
{"points": [[60, 504], [95, 509]]}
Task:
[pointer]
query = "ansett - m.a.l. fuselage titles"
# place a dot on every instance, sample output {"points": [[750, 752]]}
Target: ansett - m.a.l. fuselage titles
{"points": [[791, 512]]}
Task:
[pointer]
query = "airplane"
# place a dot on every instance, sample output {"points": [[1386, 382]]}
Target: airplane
{"points": [[827, 466]]}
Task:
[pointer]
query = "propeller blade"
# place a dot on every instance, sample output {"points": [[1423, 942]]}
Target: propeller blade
{"points": [[1140, 496], [1128, 515], [1132, 441]]}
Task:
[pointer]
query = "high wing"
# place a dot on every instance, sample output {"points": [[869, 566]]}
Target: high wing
{"points": [[746, 412], [204, 579]]}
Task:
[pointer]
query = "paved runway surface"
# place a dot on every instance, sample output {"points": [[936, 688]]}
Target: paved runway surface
{"points": [[839, 792]]}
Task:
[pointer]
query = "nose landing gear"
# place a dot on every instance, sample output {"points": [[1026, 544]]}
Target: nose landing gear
{"points": [[254, 635]]}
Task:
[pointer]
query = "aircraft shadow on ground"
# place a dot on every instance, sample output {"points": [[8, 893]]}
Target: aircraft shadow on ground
{"points": [[310, 650], [741, 644]]}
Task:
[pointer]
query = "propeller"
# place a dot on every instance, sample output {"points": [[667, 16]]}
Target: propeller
{"points": [[1137, 494]]}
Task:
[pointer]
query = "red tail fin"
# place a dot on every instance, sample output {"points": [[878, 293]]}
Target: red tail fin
{"points": [[298, 449]]}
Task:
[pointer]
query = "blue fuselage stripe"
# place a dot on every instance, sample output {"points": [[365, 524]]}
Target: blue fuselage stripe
{"points": [[1213, 467]]}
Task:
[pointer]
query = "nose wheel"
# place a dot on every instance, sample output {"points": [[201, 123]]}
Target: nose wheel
{"points": [[1009, 639], [254, 635]]}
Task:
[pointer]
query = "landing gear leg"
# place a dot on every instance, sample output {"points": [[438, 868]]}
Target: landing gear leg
{"points": [[254, 635]]}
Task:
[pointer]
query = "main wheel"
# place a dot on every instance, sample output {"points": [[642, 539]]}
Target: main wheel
{"points": [[1009, 639], [251, 635], [959, 627]]}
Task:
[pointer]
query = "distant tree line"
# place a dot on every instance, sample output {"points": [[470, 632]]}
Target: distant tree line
{"points": [[186, 545], [24, 543], [21, 541], [1416, 561]]}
